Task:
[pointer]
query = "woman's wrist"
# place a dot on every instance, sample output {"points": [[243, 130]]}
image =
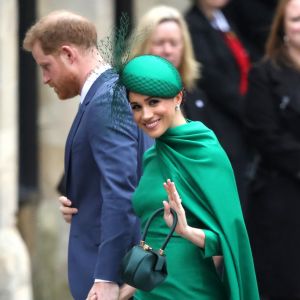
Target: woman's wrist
{"points": [[195, 235]]}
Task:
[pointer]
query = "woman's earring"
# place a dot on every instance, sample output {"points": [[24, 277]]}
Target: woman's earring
{"points": [[177, 107], [286, 39]]}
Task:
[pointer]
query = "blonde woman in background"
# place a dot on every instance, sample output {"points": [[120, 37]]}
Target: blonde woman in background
{"points": [[163, 31]]}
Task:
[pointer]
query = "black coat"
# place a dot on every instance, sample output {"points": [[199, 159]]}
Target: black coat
{"points": [[195, 106], [220, 81], [272, 114], [253, 18]]}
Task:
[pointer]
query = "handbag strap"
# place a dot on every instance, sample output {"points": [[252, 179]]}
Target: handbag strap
{"points": [[155, 214]]}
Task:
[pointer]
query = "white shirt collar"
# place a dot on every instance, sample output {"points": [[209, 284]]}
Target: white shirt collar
{"points": [[219, 21], [91, 79]]}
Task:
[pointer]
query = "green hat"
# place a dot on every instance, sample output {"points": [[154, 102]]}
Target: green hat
{"points": [[151, 75]]}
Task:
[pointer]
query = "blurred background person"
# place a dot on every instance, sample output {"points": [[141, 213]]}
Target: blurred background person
{"points": [[253, 20], [225, 64], [272, 113], [163, 31]]}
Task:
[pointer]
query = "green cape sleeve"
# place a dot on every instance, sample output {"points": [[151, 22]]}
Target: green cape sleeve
{"points": [[195, 161]]}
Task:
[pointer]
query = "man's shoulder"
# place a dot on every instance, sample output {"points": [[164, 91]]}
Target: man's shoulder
{"points": [[109, 85], [107, 81]]}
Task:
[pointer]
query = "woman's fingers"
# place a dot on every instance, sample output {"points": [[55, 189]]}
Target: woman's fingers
{"points": [[167, 213], [167, 208], [174, 201], [173, 195]]}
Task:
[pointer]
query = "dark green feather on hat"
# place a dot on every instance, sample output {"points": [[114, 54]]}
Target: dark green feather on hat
{"points": [[151, 75]]}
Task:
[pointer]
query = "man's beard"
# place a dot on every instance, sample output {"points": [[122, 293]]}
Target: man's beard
{"points": [[67, 88]]}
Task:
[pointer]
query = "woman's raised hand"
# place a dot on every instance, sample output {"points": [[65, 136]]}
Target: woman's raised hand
{"points": [[174, 201]]}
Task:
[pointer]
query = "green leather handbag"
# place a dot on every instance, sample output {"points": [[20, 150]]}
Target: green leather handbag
{"points": [[143, 267]]}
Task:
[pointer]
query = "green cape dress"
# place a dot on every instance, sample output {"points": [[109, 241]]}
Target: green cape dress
{"points": [[191, 156]]}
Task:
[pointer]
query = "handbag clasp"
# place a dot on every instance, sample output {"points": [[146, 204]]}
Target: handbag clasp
{"points": [[161, 252], [145, 246]]}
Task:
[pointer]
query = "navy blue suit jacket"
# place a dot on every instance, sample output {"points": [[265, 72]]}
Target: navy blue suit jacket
{"points": [[102, 166]]}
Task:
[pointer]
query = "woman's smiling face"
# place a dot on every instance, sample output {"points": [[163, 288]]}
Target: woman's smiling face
{"points": [[154, 115]]}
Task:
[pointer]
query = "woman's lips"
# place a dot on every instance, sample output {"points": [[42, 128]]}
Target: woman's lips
{"points": [[151, 125]]}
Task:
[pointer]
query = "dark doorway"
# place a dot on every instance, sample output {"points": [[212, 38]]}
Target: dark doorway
{"points": [[123, 7], [28, 109]]}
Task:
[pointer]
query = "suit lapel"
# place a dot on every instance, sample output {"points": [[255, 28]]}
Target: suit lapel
{"points": [[70, 141], [76, 123]]}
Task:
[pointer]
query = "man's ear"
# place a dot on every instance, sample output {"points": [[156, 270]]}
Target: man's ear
{"points": [[68, 54]]}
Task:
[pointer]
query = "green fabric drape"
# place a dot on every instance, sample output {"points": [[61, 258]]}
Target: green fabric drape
{"points": [[192, 156]]}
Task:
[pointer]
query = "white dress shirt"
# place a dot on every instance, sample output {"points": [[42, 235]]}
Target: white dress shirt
{"points": [[91, 79]]}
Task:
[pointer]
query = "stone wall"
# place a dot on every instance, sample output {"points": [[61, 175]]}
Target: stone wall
{"points": [[15, 276]]}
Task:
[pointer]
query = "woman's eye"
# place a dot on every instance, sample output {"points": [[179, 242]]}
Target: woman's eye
{"points": [[135, 107], [153, 102]]}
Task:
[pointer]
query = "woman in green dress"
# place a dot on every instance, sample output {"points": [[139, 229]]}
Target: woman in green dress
{"points": [[187, 158]]}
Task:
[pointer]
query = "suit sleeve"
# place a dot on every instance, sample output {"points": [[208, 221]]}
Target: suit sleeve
{"points": [[114, 149]]}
